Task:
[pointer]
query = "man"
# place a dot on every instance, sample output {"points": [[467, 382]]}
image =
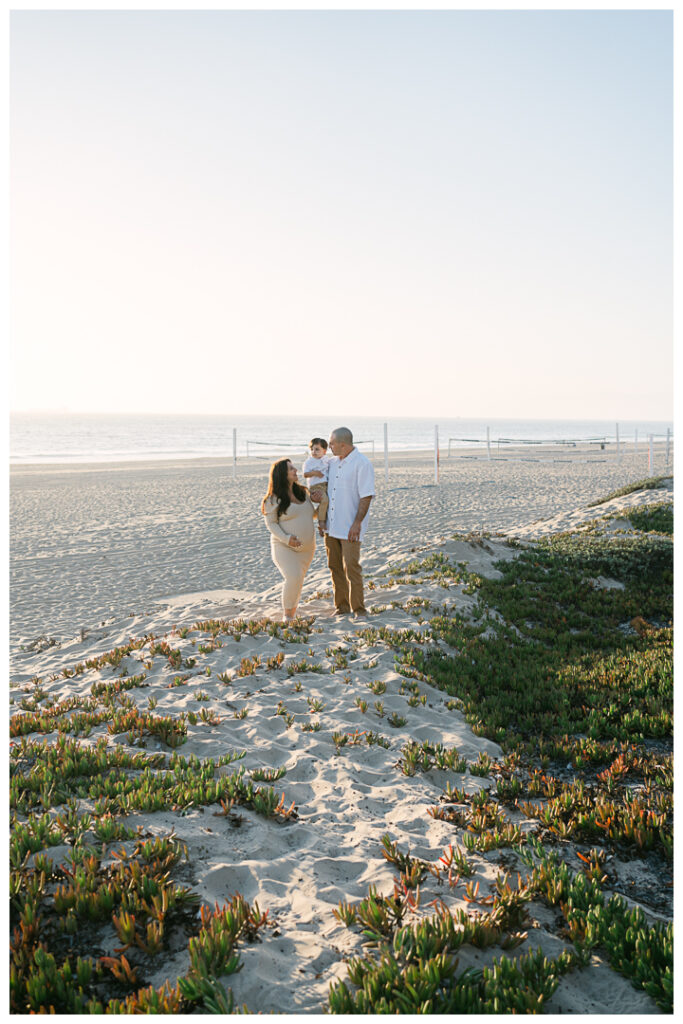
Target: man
{"points": [[350, 489]]}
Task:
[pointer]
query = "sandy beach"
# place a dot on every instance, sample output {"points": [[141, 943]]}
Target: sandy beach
{"points": [[101, 555], [93, 544]]}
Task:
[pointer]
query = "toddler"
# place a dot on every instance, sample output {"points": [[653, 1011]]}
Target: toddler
{"points": [[316, 469]]}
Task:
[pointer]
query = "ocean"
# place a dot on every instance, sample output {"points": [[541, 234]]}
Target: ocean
{"points": [[71, 438]]}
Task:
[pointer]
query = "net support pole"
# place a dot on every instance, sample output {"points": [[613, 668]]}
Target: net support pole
{"points": [[386, 454], [234, 453], [488, 442], [618, 449], [436, 454], [668, 444], [650, 455]]}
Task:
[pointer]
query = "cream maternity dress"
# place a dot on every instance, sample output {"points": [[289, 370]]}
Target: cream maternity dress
{"points": [[293, 563]]}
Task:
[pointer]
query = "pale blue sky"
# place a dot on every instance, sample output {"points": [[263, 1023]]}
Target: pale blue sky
{"points": [[450, 213]]}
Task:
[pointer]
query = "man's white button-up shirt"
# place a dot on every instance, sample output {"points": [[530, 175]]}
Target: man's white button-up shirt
{"points": [[349, 480]]}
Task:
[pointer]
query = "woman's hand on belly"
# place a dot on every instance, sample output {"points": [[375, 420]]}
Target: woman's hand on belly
{"points": [[294, 542]]}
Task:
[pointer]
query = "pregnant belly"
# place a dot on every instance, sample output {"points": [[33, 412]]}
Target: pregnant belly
{"points": [[305, 534]]}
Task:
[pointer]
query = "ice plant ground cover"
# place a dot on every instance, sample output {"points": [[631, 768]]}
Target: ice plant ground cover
{"points": [[575, 680], [545, 858]]}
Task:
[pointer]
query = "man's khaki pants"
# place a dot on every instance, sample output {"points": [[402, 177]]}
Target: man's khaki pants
{"points": [[343, 558]]}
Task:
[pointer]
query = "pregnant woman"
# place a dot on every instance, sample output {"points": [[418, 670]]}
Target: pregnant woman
{"points": [[288, 512]]}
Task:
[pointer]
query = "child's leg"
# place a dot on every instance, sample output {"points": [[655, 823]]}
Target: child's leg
{"points": [[323, 506]]}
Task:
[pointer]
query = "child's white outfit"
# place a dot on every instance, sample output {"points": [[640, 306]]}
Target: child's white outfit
{"points": [[319, 483]]}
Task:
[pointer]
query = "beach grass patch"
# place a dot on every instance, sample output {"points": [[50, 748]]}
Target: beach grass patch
{"points": [[423, 756], [411, 966], [650, 483], [571, 676], [553, 656], [657, 518], [68, 922]]}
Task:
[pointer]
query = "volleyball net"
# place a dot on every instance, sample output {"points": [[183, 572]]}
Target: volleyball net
{"points": [[655, 447], [553, 449]]}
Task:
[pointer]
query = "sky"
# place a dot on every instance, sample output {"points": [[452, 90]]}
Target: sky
{"points": [[450, 213]]}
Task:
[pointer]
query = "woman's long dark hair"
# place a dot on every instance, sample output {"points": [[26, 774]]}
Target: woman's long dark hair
{"points": [[278, 487]]}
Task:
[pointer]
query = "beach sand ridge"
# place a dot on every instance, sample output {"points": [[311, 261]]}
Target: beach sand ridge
{"points": [[338, 679]]}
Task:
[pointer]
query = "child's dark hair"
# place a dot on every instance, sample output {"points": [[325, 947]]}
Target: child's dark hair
{"points": [[318, 440]]}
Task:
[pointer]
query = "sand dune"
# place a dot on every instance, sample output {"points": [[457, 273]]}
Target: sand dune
{"points": [[168, 527]]}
